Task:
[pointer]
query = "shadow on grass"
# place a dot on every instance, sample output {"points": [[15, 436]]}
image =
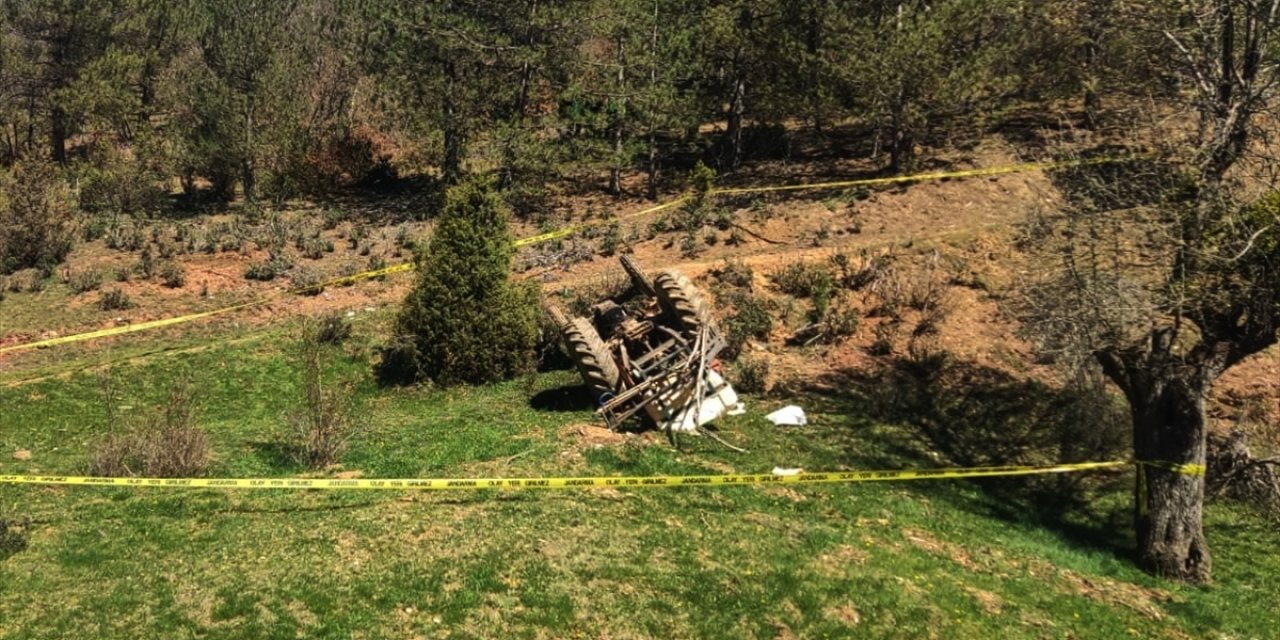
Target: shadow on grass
{"points": [[944, 412], [13, 537], [562, 399], [278, 456], [249, 509]]}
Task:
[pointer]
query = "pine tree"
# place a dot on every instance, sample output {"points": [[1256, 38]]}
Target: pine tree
{"points": [[61, 38], [465, 321]]}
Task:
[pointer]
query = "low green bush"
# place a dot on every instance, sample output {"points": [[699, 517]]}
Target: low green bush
{"points": [[750, 374], [114, 300], [803, 280], [333, 327], [750, 320], [274, 266], [13, 536], [307, 281], [171, 274], [84, 281]]}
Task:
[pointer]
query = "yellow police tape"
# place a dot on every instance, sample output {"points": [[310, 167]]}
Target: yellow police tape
{"points": [[437, 484], [844, 184], [572, 229], [1176, 467], [941, 175], [156, 324]]}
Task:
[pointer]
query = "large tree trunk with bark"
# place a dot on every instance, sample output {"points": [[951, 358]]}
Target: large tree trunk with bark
{"points": [[1167, 405], [1170, 532]]}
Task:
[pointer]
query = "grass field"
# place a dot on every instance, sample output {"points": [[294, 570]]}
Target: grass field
{"points": [[948, 559]]}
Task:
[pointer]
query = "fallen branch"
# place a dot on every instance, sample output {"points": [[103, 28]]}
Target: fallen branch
{"points": [[754, 234], [711, 434]]}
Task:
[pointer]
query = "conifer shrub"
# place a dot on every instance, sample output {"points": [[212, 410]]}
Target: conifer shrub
{"points": [[114, 183], [29, 280], [36, 210], [465, 321]]}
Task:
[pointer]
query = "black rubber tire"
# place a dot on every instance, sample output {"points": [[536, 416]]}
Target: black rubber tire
{"points": [[590, 355], [682, 302]]}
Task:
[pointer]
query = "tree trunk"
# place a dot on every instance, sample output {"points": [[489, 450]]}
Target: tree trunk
{"points": [[11, 144], [652, 192], [902, 144], [526, 69], [813, 45], [248, 174], [615, 172], [32, 115], [1169, 427], [737, 106], [452, 168], [619, 119], [147, 99], [1097, 15], [1092, 106], [248, 179], [58, 134], [511, 150]]}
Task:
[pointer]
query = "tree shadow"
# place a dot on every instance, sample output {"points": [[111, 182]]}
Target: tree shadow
{"points": [[1034, 132], [1108, 186], [188, 205], [278, 456], [13, 537], [946, 412], [569, 398], [244, 508]]}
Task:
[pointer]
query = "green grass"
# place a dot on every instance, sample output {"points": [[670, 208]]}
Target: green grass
{"points": [[940, 559]]}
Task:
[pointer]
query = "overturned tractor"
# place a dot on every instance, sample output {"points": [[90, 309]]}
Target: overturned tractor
{"points": [[650, 352]]}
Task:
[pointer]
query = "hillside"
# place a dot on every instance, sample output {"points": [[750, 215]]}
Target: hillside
{"points": [[1033, 558]]}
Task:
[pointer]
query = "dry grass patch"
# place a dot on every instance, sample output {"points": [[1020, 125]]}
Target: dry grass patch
{"points": [[845, 614], [1144, 600], [990, 602], [927, 542]]}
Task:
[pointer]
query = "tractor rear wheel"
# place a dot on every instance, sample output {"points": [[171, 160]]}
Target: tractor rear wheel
{"points": [[591, 356], [682, 302]]}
